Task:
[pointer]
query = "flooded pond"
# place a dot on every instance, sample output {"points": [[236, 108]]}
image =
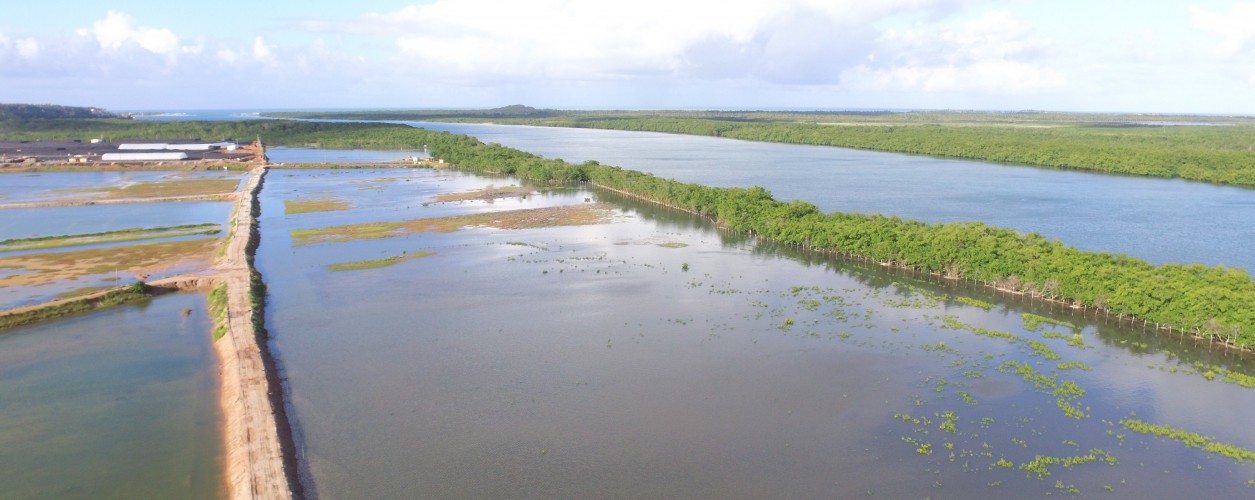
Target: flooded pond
{"points": [[121, 403], [647, 354], [81, 219], [281, 154], [56, 186]]}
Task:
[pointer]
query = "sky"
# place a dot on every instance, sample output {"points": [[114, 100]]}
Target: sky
{"points": [[1155, 56]]}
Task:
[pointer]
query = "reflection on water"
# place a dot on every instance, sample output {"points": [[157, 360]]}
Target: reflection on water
{"points": [[281, 154], [119, 403], [658, 357], [53, 186]]}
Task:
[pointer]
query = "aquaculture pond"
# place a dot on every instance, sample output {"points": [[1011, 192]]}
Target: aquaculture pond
{"points": [[282, 154], [1159, 220], [69, 248], [36, 187], [573, 343], [120, 403]]}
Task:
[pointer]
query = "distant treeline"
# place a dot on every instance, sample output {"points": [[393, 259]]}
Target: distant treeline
{"points": [[1210, 301], [512, 111], [1120, 144], [50, 111]]}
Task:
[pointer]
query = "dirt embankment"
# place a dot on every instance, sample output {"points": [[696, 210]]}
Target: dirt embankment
{"points": [[256, 428]]}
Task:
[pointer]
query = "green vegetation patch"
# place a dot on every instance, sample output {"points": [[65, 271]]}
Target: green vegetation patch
{"points": [[673, 244], [570, 215], [314, 205], [487, 193], [974, 302], [1033, 322], [82, 292], [218, 310], [134, 293], [1190, 439], [165, 189], [377, 263], [108, 237]]}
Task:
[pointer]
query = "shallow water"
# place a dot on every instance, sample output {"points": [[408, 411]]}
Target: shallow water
{"points": [[120, 403], [1159, 220], [281, 154], [85, 219], [52, 186], [656, 357]]}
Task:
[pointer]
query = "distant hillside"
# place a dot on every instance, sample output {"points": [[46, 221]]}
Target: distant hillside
{"points": [[511, 111], [51, 111]]}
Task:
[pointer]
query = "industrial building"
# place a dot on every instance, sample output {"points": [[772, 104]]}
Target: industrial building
{"points": [[26, 153]]}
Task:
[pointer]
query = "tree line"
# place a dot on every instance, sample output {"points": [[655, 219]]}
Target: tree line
{"points": [[1221, 154]]}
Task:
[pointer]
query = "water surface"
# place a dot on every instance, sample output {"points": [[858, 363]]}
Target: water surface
{"points": [[281, 154], [120, 403], [654, 356]]}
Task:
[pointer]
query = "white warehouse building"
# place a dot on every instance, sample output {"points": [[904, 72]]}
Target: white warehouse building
{"points": [[161, 156]]}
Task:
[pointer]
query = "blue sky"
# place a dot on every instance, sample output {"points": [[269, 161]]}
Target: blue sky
{"points": [[1111, 55]]}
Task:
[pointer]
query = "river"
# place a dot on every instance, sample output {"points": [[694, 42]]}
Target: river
{"points": [[1158, 220]]}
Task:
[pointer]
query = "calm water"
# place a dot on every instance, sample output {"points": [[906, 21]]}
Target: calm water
{"points": [[280, 154], [51, 186], [85, 219], [119, 403], [653, 356], [1158, 220]]}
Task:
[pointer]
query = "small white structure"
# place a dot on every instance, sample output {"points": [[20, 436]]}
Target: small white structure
{"points": [[163, 156], [148, 146], [162, 146]]}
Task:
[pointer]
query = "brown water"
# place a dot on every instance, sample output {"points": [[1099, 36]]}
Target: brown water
{"points": [[654, 356]]}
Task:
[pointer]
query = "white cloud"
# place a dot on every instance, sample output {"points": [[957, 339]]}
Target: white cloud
{"points": [[1236, 29], [227, 56], [794, 41], [118, 32], [261, 51], [992, 53], [27, 48]]}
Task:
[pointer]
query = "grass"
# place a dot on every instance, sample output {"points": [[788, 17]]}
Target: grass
{"points": [[377, 263], [134, 293], [121, 235], [513, 219], [1190, 439], [218, 310], [138, 259], [79, 292], [164, 189], [488, 193], [314, 205]]}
